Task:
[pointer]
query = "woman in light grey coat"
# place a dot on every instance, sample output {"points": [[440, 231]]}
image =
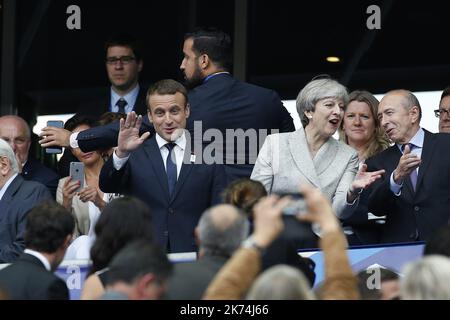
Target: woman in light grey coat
{"points": [[311, 155]]}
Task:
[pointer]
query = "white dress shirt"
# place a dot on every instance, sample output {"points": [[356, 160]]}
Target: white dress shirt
{"points": [[417, 141], [180, 146], [6, 185], [41, 257]]}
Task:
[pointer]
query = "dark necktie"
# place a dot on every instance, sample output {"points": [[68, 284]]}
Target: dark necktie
{"points": [[121, 103], [171, 167], [413, 174]]}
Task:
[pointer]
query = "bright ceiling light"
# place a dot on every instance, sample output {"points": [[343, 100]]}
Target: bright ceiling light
{"points": [[333, 59]]}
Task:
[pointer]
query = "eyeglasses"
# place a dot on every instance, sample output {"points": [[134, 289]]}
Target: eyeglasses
{"points": [[440, 112], [123, 60]]}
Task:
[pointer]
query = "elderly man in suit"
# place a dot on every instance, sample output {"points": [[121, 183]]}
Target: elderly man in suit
{"points": [[415, 192], [17, 198], [47, 235], [17, 133], [217, 100], [162, 171]]}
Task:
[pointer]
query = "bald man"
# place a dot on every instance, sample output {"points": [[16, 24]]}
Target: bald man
{"points": [[220, 231], [414, 194], [17, 133]]}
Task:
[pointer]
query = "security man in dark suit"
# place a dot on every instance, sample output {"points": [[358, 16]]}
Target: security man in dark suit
{"points": [[164, 171], [47, 235], [218, 101]]}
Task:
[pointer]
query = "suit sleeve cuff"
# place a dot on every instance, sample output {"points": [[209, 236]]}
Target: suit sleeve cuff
{"points": [[395, 188], [119, 162], [73, 140]]}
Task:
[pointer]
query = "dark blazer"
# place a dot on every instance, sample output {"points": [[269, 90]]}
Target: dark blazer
{"points": [[102, 103], [413, 216], [20, 197], [27, 279], [222, 103], [198, 187], [36, 171], [190, 279]]}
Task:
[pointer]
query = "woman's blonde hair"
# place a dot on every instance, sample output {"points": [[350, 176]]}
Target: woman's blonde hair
{"points": [[379, 141]]}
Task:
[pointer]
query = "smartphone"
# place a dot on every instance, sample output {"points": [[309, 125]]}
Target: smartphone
{"points": [[58, 124], [296, 205], [77, 173]]}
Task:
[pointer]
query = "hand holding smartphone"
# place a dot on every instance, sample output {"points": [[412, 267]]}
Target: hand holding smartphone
{"points": [[77, 173], [58, 124]]}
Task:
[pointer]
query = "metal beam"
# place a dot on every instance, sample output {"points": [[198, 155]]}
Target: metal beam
{"points": [[240, 40], [33, 27], [365, 44], [7, 93]]}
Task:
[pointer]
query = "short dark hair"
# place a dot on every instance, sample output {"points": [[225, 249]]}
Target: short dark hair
{"points": [[123, 220], [109, 117], [445, 93], [79, 119], [244, 194], [48, 225], [125, 40], [167, 86], [137, 259], [214, 43]]}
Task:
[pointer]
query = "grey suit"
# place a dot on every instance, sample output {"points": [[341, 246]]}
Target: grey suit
{"points": [[284, 162]]}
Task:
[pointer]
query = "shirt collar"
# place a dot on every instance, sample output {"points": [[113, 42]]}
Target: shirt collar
{"points": [[417, 140], [130, 97], [6, 185], [213, 75], [41, 258], [180, 141]]}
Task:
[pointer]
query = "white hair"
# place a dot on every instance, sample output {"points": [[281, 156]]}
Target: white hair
{"points": [[7, 151], [281, 282], [426, 279]]}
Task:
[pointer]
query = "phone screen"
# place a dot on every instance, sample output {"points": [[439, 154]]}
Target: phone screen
{"points": [[58, 124]]}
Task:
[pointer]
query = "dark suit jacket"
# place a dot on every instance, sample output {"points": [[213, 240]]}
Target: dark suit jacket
{"points": [[190, 279], [102, 103], [413, 216], [36, 171], [222, 103], [20, 197], [198, 187], [27, 279]]}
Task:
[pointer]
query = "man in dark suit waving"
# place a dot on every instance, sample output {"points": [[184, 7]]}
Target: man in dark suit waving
{"points": [[415, 192], [218, 101], [162, 171], [47, 235]]}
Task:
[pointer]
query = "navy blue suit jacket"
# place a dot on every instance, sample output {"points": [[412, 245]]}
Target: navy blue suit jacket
{"points": [[413, 216], [221, 103], [27, 279], [20, 197], [35, 171], [198, 187]]}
